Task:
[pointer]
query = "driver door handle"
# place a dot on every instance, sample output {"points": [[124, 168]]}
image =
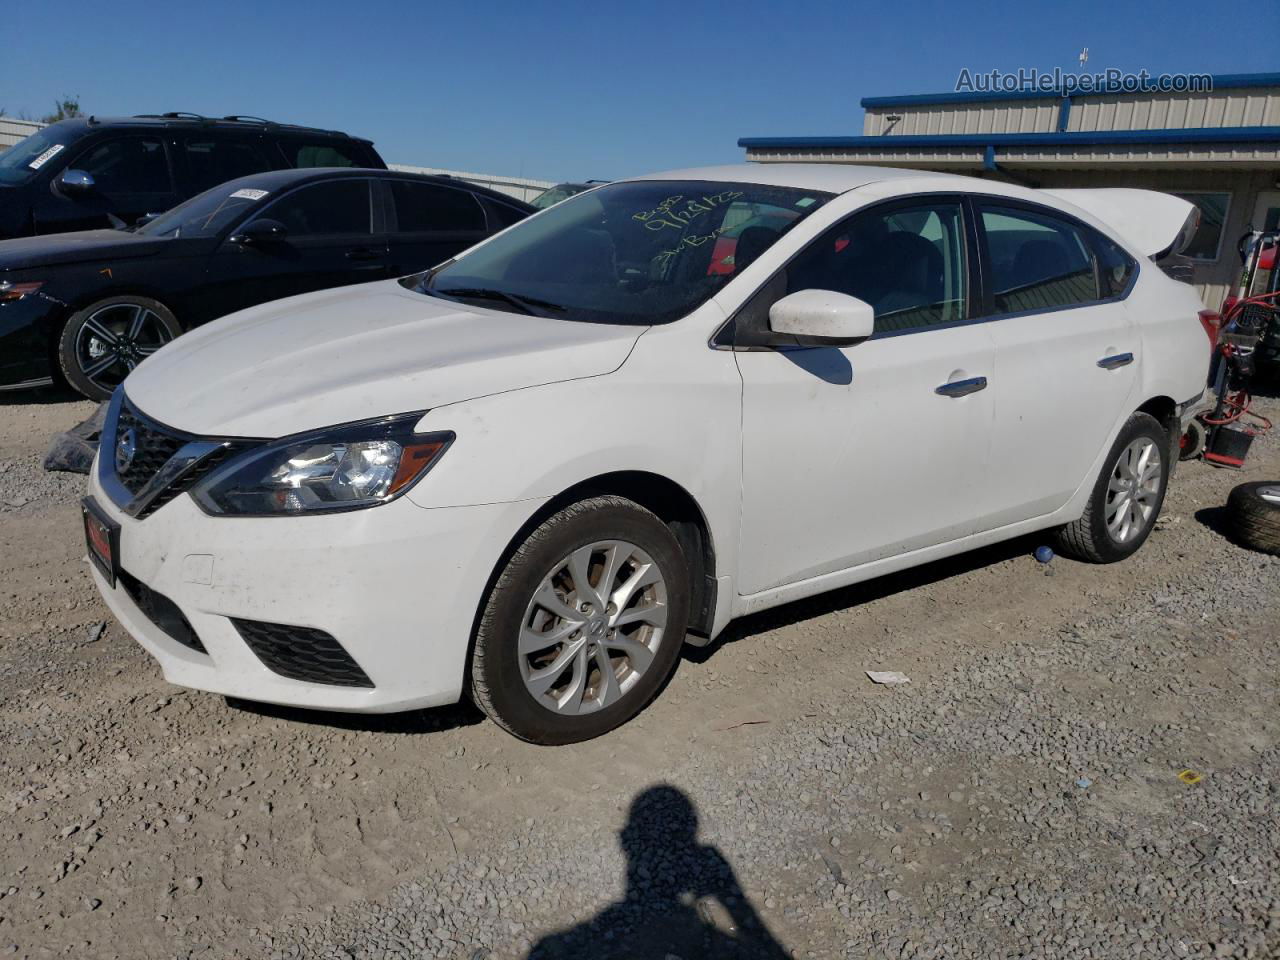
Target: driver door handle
{"points": [[962, 388], [365, 253], [1118, 360]]}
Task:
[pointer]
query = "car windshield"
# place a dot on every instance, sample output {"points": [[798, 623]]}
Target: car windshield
{"points": [[644, 252], [24, 159], [206, 214]]}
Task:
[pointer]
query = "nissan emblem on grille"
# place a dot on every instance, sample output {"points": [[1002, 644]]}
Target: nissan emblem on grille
{"points": [[126, 448]]}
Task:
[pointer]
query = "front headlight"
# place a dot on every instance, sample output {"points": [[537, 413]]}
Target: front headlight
{"points": [[341, 468]]}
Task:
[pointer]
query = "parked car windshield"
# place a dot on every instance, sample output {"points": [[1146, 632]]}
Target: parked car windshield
{"points": [[24, 159], [206, 214], [644, 252]]}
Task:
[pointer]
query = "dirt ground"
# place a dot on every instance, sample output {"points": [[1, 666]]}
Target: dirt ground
{"points": [[1020, 797]]}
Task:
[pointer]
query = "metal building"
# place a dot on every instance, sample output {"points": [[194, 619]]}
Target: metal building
{"points": [[1219, 148]]}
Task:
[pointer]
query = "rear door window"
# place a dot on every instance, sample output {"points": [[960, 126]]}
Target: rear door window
{"points": [[214, 161], [304, 153], [320, 209], [1037, 261], [434, 208]]}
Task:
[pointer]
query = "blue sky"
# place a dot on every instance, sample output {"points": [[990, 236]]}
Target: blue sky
{"points": [[578, 90]]}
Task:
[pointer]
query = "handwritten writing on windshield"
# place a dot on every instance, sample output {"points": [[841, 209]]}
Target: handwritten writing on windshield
{"points": [[677, 212], [686, 243]]}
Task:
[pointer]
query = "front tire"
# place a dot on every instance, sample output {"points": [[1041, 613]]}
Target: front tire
{"points": [[100, 345], [584, 624], [1127, 497]]}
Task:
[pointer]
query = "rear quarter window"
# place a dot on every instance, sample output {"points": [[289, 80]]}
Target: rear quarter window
{"points": [[322, 153]]}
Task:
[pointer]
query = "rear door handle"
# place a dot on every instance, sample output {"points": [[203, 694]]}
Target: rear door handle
{"points": [[365, 253], [1119, 360], [962, 388]]}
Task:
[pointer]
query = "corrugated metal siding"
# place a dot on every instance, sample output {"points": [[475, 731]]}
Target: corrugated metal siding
{"points": [[906, 157], [1230, 108], [1138, 155], [1008, 116], [1257, 106], [11, 130]]}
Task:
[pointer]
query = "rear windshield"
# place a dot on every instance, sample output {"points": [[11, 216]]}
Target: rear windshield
{"points": [[24, 160]]}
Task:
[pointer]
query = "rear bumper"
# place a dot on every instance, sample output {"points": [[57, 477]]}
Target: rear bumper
{"points": [[398, 586]]}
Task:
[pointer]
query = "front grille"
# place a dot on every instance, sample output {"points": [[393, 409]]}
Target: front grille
{"points": [[161, 611], [188, 479], [154, 446], [153, 449], [302, 653]]}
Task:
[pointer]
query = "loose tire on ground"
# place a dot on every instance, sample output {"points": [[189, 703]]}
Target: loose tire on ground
{"points": [[1096, 537], [100, 344], [635, 577], [1253, 514]]}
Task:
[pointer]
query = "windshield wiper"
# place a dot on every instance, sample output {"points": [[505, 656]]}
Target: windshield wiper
{"points": [[523, 304]]}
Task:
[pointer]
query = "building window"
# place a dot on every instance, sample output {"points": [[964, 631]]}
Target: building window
{"points": [[1207, 243]]}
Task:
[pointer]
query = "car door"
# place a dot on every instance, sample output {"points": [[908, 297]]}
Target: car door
{"points": [[430, 222], [329, 241], [855, 454], [132, 176], [1067, 354]]}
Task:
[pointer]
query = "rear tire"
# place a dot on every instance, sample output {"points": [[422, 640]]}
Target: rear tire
{"points": [[100, 345], [1253, 512], [1126, 498], [584, 624]]}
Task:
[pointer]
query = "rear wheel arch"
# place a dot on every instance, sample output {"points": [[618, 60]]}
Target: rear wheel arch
{"points": [[1165, 411]]}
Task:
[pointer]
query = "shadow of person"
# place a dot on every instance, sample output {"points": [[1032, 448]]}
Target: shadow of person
{"points": [[682, 898]]}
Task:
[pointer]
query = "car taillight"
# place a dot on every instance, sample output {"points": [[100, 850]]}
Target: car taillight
{"points": [[1211, 320], [16, 291]]}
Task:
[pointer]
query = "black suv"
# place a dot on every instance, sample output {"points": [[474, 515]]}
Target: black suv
{"points": [[95, 172]]}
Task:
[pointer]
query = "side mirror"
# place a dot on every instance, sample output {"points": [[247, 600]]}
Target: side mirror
{"points": [[820, 318], [76, 181], [260, 231]]}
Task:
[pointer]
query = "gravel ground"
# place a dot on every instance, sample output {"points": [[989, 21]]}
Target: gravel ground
{"points": [[1020, 797]]}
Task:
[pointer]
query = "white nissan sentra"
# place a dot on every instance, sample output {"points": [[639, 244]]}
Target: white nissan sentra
{"points": [[533, 473]]}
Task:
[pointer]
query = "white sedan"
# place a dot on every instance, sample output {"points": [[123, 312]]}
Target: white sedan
{"points": [[534, 472]]}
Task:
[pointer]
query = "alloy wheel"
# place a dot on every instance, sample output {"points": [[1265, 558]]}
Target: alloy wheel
{"points": [[1133, 492], [113, 340], [592, 627]]}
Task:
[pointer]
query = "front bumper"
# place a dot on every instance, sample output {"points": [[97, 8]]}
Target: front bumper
{"points": [[397, 585], [26, 328]]}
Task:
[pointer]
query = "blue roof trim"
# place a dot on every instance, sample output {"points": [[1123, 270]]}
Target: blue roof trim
{"points": [[1221, 81], [1076, 138]]}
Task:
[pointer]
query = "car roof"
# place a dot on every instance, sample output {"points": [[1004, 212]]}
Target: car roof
{"points": [[828, 177], [193, 121], [276, 180]]}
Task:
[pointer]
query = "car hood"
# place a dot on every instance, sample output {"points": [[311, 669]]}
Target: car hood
{"points": [[51, 249], [359, 352]]}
